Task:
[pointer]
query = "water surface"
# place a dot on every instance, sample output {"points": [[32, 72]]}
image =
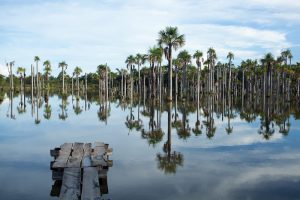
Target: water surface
{"points": [[242, 149]]}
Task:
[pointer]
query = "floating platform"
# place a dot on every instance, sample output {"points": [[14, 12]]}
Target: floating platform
{"points": [[80, 170]]}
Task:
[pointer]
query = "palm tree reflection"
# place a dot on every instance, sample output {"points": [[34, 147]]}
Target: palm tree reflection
{"points": [[63, 106], [155, 133], [77, 109], [169, 160], [47, 109]]}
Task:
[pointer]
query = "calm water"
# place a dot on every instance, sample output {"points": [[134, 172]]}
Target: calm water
{"points": [[251, 155]]}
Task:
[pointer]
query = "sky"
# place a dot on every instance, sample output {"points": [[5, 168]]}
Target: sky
{"points": [[91, 32]]}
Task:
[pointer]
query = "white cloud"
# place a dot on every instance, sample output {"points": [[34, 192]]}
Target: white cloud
{"points": [[3, 70], [90, 33]]}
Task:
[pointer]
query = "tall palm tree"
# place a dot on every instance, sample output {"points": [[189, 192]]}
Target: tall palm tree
{"points": [[47, 71], [171, 39], [36, 60], [11, 79], [77, 72], [290, 56], [130, 61], [63, 66], [100, 72], [154, 57], [230, 57], [140, 59], [21, 72], [185, 58], [269, 61], [198, 56], [211, 58], [177, 64]]}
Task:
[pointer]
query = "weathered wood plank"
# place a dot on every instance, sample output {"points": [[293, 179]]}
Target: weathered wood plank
{"points": [[76, 155], [98, 155], [87, 150], [71, 184], [64, 153], [55, 190], [90, 184], [103, 185], [102, 173], [57, 175], [99, 144]]}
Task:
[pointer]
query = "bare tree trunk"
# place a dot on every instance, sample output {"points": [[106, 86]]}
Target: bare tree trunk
{"points": [[170, 74], [63, 77]]}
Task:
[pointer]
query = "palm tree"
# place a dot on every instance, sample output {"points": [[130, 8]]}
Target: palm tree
{"points": [[130, 61], [268, 60], [63, 66], [171, 39], [176, 63], [198, 56], [211, 58], [230, 57], [11, 79], [47, 71], [100, 72], [185, 58], [154, 57], [140, 60], [77, 72], [21, 71], [290, 56], [36, 60]]}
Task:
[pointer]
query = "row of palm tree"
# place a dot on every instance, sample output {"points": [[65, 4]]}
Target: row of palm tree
{"points": [[209, 76]]}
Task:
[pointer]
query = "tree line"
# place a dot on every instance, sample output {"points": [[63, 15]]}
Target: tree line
{"points": [[146, 75]]}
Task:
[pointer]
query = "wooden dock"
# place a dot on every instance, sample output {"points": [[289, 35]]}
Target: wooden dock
{"points": [[80, 170]]}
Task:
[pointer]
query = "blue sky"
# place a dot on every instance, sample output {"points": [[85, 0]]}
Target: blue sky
{"points": [[89, 33]]}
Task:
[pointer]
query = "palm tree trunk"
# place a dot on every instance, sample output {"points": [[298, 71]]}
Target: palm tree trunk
{"points": [[72, 85], [170, 74], [184, 82], [32, 79], [37, 76], [85, 83], [298, 87], [122, 81], [125, 87], [106, 85], [131, 86], [144, 89], [63, 77], [176, 81], [243, 82]]}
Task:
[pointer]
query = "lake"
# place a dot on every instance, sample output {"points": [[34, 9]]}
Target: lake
{"points": [[226, 149]]}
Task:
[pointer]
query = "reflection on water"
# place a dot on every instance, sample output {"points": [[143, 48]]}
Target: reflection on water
{"points": [[198, 143]]}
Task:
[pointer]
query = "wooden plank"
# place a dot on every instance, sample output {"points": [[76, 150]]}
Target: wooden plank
{"points": [[90, 184], [64, 153], [87, 151], [102, 173], [99, 144], [98, 155], [55, 190], [54, 152], [71, 182], [57, 175], [103, 185], [109, 151], [76, 156]]}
